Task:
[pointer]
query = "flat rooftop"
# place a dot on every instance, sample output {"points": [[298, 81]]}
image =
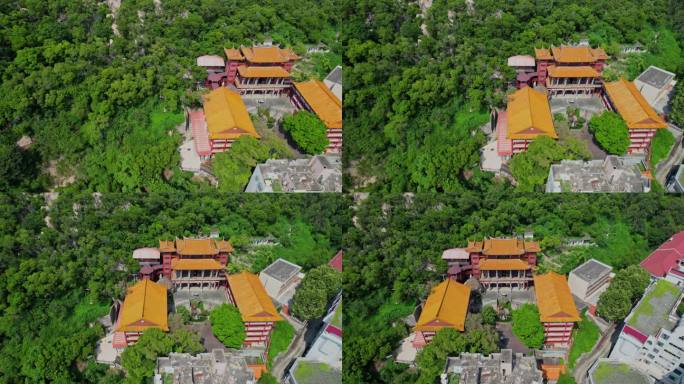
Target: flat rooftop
{"points": [[314, 372], [656, 77], [282, 270], [613, 174], [608, 372], [591, 271], [475, 368], [317, 174], [654, 309]]}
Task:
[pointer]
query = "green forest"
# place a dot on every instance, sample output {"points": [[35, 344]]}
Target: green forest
{"points": [[393, 256], [62, 263], [99, 90], [419, 84]]}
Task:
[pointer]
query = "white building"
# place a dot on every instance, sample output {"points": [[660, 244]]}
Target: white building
{"points": [[589, 280], [652, 338], [656, 85], [334, 82], [281, 279]]}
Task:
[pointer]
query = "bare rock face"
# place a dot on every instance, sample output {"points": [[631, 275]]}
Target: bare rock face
{"points": [[24, 142]]}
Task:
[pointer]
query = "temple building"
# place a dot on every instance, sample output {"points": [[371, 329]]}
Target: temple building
{"points": [[223, 120], [445, 307], [144, 307], [527, 117], [503, 263], [315, 97], [570, 71], [557, 310], [259, 70], [642, 121], [258, 313], [195, 263]]}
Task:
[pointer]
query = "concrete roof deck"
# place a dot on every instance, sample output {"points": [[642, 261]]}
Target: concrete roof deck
{"points": [[607, 372], [282, 270], [591, 270], [652, 312]]}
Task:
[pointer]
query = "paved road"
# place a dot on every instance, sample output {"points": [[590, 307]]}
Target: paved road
{"points": [[585, 361], [675, 158], [283, 360]]}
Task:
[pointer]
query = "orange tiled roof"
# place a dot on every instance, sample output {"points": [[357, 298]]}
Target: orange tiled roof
{"points": [[226, 115], [270, 71], [445, 307], [167, 246], [195, 264], [251, 298], [268, 54], [144, 307], [503, 247], [324, 103], [581, 71], [542, 54], [580, 54], [632, 106], [529, 115], [554, 299], [195, 247], [233, 54], [503, 265]]}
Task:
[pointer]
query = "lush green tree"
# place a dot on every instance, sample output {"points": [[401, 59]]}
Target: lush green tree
{"points": [[227, 326], [610, 132], [430, 360], [233, 168], [531, 168], [313, 294], [676, 113], [614, 304], [307, 131], [140, 359], [527, 326], [187, 341], [489, 315]]}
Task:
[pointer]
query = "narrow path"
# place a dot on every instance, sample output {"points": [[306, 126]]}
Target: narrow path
{"points": [[586, 360], [674, 158], [283, 360]]}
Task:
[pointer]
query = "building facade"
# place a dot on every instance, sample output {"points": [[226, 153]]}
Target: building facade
{"points": [[445, 307], [195, 262], [144, 307], [527, 117], [259, 70], [258, 313], [557, 310], [503, 262], [280, 279], [652, 337], [570, 71], [642, 121], [315, 97], [589, 280]]}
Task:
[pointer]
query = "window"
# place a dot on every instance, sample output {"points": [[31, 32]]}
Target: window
{"points": [[660, 343]]}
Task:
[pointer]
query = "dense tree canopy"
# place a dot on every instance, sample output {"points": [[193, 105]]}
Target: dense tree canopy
{"points": [[307, 131], [527, 326], [610, 132], [227, 326], [410, 73], [313, 295], [625, 289], [393, 253], [61, 266], [84, 80]]}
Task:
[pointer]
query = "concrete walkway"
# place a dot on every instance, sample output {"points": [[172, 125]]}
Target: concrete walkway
{"points": [[586, 360], [674, 159]]}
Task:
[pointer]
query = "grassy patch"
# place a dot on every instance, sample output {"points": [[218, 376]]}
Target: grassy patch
{"points": [[337, 317], [282, 335], [661, 288], [389, 312], [165, 120], [584, 338], [306, 370], [661, 145], [86, 312]]}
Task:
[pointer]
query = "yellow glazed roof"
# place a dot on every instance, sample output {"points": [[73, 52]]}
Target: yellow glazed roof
{"points": [[445, 307], [144, 307], [529, 115], [632, 106], [195, 264], [270, 71], [581, 71], [503, 265], [251, 298], [554, 299], [324, 103], [226, 115], [268, 54]]}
